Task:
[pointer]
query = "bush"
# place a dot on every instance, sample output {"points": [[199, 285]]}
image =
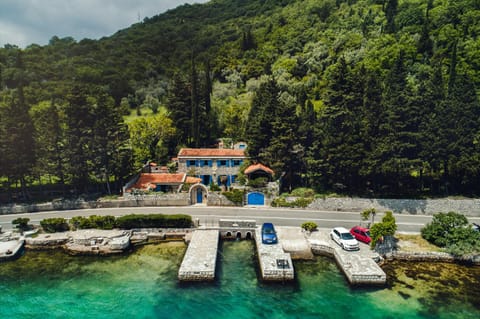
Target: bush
{"points": [[451, 231], [258, 182], [21, 223], [235, 196], [52, 225], [299, 202], [440, 229], [154, 221], [387, 227], [214, 187], [309, 226], [94, 221], [303, 192]]}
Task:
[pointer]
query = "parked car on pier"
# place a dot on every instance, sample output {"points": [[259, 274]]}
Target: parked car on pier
{"points": [[269, 235], [361, 234], [342, 237]]}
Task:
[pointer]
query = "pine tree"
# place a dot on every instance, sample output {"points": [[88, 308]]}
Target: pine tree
{"points": [[179, 107], [390, 13], [399, 146], [79, 120], [260, 119], [284, 152], [16, 127]]}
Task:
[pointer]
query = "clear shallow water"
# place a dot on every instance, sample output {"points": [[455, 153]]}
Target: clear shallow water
{"points": [[144, 285]]}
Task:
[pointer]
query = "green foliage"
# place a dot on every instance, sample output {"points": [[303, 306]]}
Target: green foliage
{"points": [[93, 221], [309, 226], [367, 213], [258, 182], [355, 97], [303, 192], [21, 223], [52, 225], [154, 221], [451, 230], [235, 195], [214, 187], [387, 227], [298, 202]]}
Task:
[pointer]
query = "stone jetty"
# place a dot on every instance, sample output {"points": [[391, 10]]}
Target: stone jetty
{"points": [[275, 264], [360, 267], [200, 260], [83, 242], [10, 246]]}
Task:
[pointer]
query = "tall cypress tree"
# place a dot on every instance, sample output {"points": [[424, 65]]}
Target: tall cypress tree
{"points": [[284, 152], [79, 121], [260, 119], [390, 13], [179, 107], [343, 149], [399, 147], [18, 145]]}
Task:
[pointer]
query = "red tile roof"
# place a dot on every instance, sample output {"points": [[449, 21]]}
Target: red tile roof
{"points": [[192, 180], [210, 152], [150, 180], [258, 167]]}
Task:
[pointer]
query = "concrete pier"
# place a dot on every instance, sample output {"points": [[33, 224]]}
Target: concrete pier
{"points": [[275, 264], [360, 267], [201, 257], [9, 249]]}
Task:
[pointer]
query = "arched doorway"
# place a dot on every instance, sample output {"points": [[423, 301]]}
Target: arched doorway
{"points": [[198, 194]]}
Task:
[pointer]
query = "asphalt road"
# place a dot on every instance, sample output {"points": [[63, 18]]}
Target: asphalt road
{"points": [[211, 215]]}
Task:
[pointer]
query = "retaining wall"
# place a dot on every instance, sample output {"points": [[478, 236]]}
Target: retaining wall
{"points": [[468, 207], [178, 199]]}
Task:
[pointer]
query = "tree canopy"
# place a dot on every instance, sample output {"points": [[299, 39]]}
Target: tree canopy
{"points": [[366, 97]]}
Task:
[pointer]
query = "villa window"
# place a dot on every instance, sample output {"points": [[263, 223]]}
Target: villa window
{"points": [[221, 163], [236, 163]]}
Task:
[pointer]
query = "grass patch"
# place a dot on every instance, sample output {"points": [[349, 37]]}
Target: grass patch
{"points": [[414, 242]]}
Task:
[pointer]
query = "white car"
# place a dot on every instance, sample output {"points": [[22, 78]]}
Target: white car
{"points": [[342, 236]]}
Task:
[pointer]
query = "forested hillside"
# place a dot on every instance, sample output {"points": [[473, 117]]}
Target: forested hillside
{"points": [[365, 97]]}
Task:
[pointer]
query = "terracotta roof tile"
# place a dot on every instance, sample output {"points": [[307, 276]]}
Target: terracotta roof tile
{"points": [[192, 180], [210, 152], [150, 180], [258, 167]]}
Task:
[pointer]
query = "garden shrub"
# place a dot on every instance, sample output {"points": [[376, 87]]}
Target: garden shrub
{"points": [[387, 227], [21, 223], [94, 221], [52, 225], [303, 192], [235, 196], [154, 221], [258, 182], [309, 226], [299, 202], [451, 231], [439, 231]]}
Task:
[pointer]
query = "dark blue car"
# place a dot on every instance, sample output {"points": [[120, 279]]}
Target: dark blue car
{"points": [[269, 235]]}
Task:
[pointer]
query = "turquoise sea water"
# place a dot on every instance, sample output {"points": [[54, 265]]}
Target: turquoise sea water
{"points": [[143, 284]]}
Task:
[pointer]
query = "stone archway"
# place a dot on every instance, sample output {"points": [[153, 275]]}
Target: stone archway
{"points": [[198, 194]]}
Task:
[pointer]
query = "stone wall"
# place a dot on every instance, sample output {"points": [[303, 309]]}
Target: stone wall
{"points": [[468, 207], [433, 257], [215, 199], [176, 199]]}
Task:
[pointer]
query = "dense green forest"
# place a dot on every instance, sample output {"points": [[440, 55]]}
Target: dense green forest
{"points": [[361, 97]]}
